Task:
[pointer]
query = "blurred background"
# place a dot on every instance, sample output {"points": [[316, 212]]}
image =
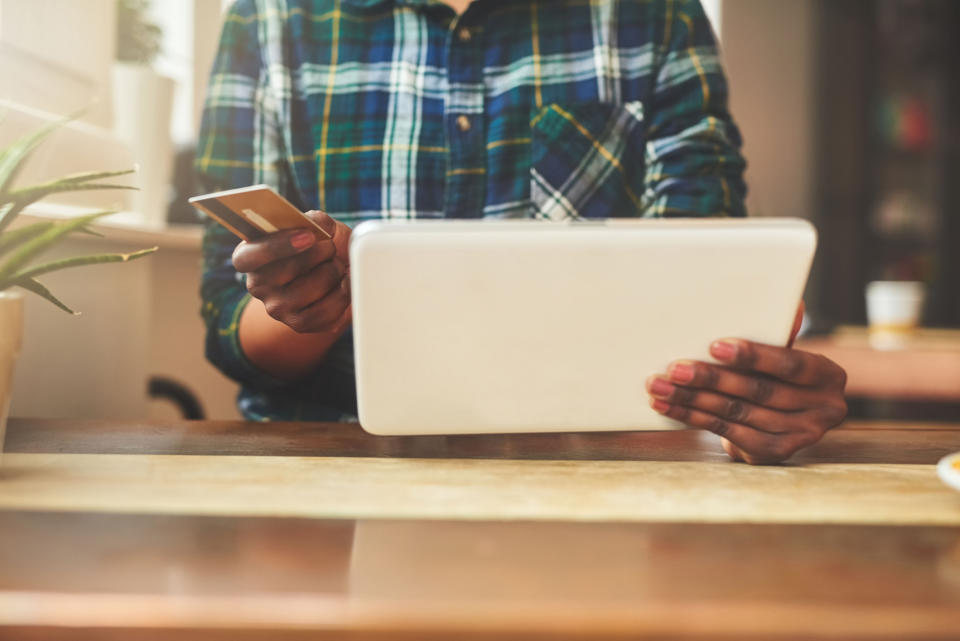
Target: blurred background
{"points": [[849, 111]]}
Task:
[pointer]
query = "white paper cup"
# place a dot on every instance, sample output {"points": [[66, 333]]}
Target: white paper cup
{"points": [[894, 311]]}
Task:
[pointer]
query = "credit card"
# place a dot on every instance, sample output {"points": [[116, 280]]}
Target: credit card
{"points": [[253, 212]]}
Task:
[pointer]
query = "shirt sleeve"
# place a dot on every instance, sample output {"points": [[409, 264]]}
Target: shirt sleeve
{"points": [[693, 165], [239, 145]]}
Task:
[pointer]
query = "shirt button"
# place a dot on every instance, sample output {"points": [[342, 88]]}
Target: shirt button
{"points": [[464, 34], [463, 122]]}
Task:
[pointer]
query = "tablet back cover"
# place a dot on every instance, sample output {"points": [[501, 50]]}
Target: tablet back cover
{"points": [[523, 326]]}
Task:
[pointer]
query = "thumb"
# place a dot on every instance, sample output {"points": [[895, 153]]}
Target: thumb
{"points": [[341, 240], [324, 221]]}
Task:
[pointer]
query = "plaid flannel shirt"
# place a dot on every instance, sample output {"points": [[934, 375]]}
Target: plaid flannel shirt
{"points": [[400, 109]]}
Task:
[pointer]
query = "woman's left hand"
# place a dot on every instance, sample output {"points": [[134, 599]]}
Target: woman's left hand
{"points": [[766, 402]]}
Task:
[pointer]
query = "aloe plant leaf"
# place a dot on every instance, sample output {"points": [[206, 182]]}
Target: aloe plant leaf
{"points": [[14, 155], [9, 213], [38, 288], [30, 195], [87, 231], [87, 176], [35, 246], [76, 261], [70, 182], [34, 193], [15, 237], [20, 235]]}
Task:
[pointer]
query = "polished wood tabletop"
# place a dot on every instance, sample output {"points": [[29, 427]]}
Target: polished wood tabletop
{"points": [[233, 530]]}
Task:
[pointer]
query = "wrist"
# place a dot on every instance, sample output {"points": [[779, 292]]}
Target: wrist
{"points": [[277, 349]]}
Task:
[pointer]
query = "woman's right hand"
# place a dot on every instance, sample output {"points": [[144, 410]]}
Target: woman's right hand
{"points": [[302, 278]]}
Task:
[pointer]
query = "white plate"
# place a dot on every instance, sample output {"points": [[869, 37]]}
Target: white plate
{"points": [[949, 470]]}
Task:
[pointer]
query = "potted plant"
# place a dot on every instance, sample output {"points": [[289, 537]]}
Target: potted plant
{"points": [[138, 39], [21, 245], [142, 108]]}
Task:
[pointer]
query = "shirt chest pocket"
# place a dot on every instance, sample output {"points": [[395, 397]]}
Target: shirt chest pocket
{"points": [[586, 160]]}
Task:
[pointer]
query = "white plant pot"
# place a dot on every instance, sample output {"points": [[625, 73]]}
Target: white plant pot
{"points": [[11, 338], [142, 108]]}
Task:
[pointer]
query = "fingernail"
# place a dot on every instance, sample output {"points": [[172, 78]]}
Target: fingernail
{"points": [[724, 351], [303, 239], [660, 387], [659, 405], [681, 373]]}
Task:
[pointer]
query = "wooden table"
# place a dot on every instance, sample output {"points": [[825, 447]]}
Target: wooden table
{"points": [[230, 530]]}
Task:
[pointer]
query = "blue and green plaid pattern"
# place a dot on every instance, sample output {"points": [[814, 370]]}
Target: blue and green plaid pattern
{"points": [[400, 109]]}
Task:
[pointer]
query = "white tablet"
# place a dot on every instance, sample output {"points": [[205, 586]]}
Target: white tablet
{"points": [[527, 326]]}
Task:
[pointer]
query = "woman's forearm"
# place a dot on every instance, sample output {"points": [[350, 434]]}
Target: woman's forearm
{"points": [[278, 350]]}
